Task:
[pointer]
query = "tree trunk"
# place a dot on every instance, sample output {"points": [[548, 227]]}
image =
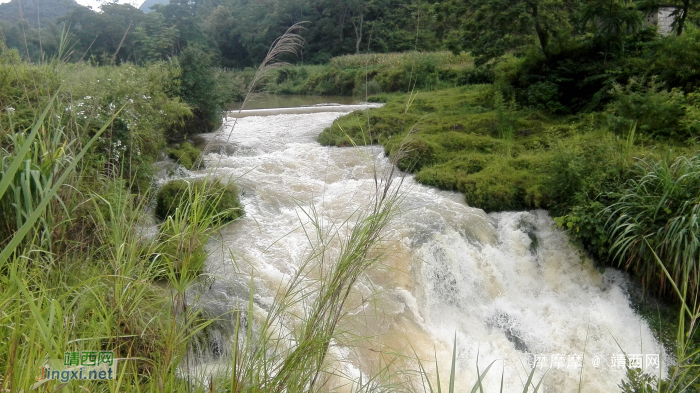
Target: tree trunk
{"points": [[542, 35], [684, 13], [358, 32], [114, 59]]}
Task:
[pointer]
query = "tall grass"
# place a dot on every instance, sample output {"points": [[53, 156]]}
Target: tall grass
{"points": [[655, 233], [505, 122], [101, 297], [661, 207], [685, 376], [76, 271]]}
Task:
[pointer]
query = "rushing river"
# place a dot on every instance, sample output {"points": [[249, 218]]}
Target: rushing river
{"points": [[509, 285]]}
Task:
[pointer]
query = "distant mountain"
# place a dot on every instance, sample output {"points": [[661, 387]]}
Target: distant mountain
{"points": [[146, 6], [33, 10]]}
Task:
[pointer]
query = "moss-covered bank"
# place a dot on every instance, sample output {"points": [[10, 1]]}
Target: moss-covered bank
{"points": [[501, 157]]}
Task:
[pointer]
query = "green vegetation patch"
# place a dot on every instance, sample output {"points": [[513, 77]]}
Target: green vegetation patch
{"points": [[218, 199], [452, 140], [187, 155], [368, 74]]}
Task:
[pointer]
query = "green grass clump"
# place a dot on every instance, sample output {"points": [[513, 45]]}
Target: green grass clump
{"points": [[190, 210], [492, 184], [658, 214], [187, 155], [220, 198]]}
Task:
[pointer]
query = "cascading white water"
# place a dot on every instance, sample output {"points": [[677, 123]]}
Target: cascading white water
{"points": [[508, 286]]}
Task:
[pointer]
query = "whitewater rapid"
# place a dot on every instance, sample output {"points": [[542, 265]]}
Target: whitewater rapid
{"points": [[508, 286]]}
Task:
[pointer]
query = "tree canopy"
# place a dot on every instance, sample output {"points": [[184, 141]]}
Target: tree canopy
{"points": [[237, 33]]}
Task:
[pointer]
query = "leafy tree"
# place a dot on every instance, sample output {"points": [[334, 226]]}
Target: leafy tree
{"points": [[677, 59], [182, 14], [34, 44], [37, 12], [110, 35], [154, 40], [611, 21], [198, 89], [221, 31], [494, 27]]}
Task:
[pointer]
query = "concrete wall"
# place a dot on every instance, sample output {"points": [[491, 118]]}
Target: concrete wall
{"points": [[664, 20], [661, 18]]}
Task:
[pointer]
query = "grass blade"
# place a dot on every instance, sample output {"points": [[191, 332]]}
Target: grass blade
{"points": [[454, 364]]}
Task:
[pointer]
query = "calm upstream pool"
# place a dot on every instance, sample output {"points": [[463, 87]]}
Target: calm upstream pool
{"points": [[508, 285]]}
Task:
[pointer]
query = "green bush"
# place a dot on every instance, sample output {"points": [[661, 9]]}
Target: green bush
{"points": [[613, 207], [655, 111], [691, 121], [416, 154], [585, 224], [506, 70], [187, 155], [199, 89], [582, 71], [544, 96], [369, 89], [583, 166], [139, 99], [678, 59], [220, 198]]}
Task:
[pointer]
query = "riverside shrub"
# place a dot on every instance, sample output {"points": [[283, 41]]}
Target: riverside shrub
{"points": [[220, 198], [140, 100], [656, 111]]}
